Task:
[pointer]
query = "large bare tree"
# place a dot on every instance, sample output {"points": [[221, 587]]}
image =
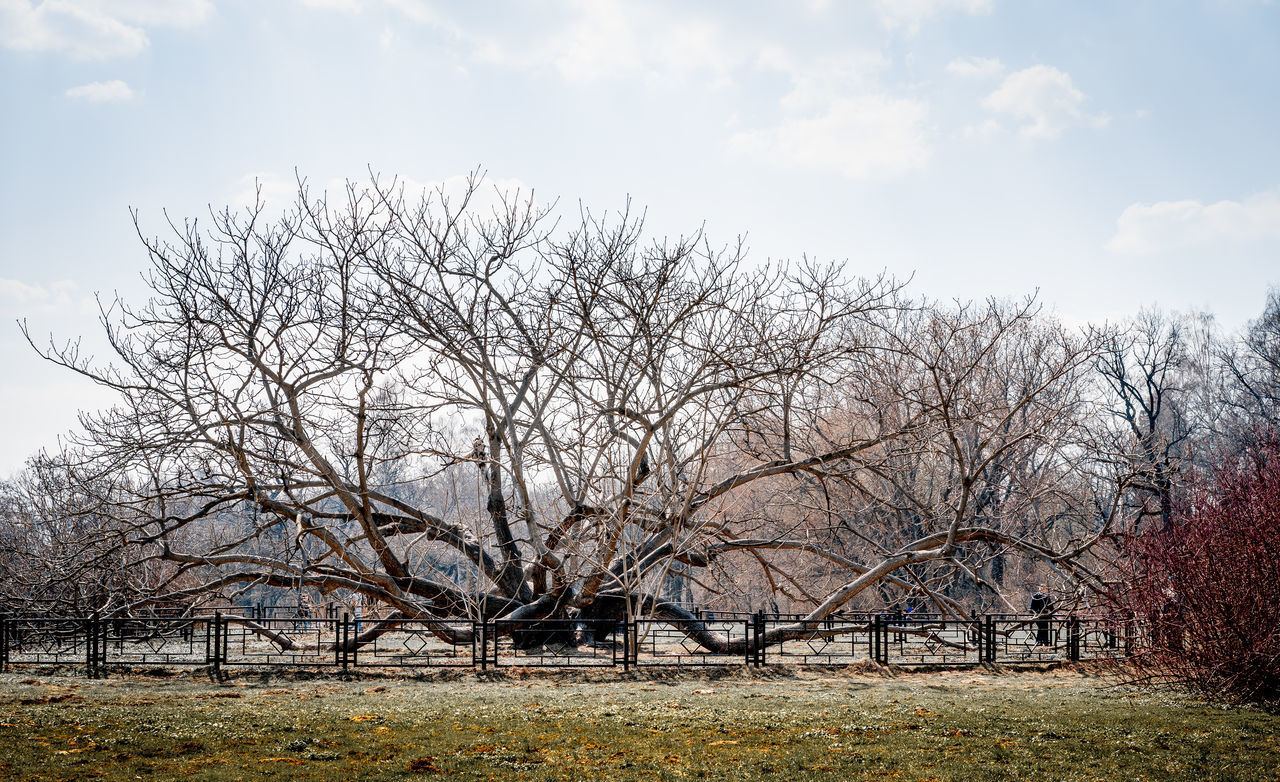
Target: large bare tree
{"points": [[462, 411]]}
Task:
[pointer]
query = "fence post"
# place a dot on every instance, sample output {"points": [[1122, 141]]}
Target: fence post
{"points": [[755, 638], [484, 645], [749, 656], [104, 643], [875, 638], [4, 643], [88, 647], [882, 638], [1073, 638], [981, 624], [99, 644], [989, 638], [344, 642], [626, 645], [874, 642], [760, 650], [886, 622], [217, 644], [883, 643]]}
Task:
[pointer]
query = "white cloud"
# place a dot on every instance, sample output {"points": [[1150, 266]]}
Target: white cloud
{"points": [[975, 67], [345, 6], [19, 299], [92, 29], [871, 137], [836, 117], [611, 39], [482, 49], [818, 82], [600, 40], [79, 31], [102, 92], [985, 129], [1045, 100], [417, 11], [276, 192], [910, 14], [1172, 225], [157, 13]]}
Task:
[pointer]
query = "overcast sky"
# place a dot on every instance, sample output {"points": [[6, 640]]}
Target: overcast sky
{"points": [[1111, 155]]}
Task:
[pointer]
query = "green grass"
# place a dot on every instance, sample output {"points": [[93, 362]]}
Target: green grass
{"points": [[953, 725]]}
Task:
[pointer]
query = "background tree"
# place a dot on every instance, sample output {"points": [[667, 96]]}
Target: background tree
{"points": [[990, 477], [1253, 367], [61, 548], [1146, 370]]}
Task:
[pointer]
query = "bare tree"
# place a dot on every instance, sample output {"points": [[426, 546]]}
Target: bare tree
{"points": [[991, 468], [1146, 369], [1253, 364], [461, 412], [61, 546]]}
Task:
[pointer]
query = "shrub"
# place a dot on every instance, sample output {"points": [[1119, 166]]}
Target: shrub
{"points": [[1207, 587]]}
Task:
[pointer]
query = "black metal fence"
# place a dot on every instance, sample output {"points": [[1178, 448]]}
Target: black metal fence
{"points": [[266, 640]]}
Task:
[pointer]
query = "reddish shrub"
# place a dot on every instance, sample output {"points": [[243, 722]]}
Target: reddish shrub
{"points": [[1207, 588]]}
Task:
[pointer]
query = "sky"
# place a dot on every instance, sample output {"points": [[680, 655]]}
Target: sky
{"points": [[1106, 156]]}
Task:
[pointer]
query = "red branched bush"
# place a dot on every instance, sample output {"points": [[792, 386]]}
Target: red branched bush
{"points": [[1207, 588]]}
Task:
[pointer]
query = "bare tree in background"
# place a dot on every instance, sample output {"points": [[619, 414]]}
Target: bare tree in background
{"points": [[461, 413], [61, 547], [1146, 371], [1254, 366], [991, 471]]}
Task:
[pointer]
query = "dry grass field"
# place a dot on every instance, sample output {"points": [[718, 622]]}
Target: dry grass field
{"points": [[954, 725]]}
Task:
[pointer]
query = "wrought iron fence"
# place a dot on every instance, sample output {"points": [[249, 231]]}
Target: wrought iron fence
{"points": [[156, 641], [553, 643], [411, 643], [274, 640], [697, 642]]}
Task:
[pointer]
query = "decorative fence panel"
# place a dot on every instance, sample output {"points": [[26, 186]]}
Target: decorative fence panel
{"points": [[835, 641], [931, 641], [49, 641], [553, 643], [411, 643], [1030, 639], [1105, 638], [275, 643], [669, 642], [157, 641]]}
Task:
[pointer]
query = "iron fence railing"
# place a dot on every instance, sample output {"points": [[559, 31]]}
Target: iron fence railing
{"points": [[275, 640], [691, 643]]}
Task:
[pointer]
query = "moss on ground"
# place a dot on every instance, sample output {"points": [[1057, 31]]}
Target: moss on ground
{"points": [[963, 725]]}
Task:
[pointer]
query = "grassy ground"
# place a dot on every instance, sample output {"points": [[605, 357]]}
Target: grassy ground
{"points": [[1055, 725]]}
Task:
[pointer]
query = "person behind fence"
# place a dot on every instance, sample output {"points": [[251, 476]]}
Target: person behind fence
{"points": [[1169, 620], [1042, 607]]}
